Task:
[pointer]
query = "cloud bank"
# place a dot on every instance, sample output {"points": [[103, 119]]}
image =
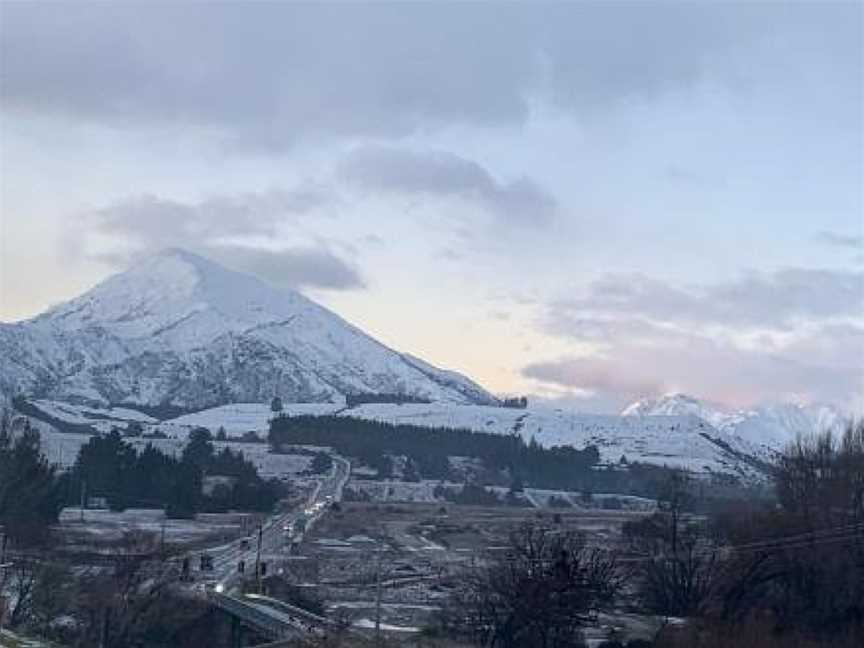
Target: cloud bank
{"points": [[795, 333], [444, 174], [269, 74]]}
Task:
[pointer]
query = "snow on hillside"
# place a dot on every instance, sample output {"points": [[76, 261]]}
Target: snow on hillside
{"points": [[239, 418], [183, 331], [81, 414], [769, 428], [677, 441], [676, 404]]}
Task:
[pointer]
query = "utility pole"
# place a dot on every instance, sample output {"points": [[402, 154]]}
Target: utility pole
{"points": [[378, 588], [3, 567], [258, 558], [378, 599]]}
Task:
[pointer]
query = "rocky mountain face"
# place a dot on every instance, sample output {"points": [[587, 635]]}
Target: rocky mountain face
{"points": [[180, 331]]}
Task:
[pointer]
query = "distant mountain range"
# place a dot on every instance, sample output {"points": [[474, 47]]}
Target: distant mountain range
{"points": [[771, 426], [179, 331]]}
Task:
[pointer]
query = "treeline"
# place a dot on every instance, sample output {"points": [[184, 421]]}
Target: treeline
{"points": [[368, 441], [507, 459], [107, 466], [352, 400], [515, 402]]}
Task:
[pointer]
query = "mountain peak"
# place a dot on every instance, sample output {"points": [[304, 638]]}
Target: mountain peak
{"points": [[180, 293], [178, 328], [677, 404]]}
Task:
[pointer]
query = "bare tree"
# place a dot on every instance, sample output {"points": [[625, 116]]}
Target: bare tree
{"points": [[796, 569], [539, 594], [680, 582], [21, 579], [119, 605], [680, 566]]}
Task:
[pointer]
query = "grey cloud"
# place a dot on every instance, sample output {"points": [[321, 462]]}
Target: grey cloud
{"points": [[387, 169], [591, 374], [154, 221], [270, 73], [299, 267], [836, 239], [757, 298], [145, 224]]}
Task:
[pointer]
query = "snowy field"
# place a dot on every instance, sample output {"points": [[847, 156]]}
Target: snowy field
{"points": [[102, 420], [675, 441], [393, 491], [424, 491], [240, 418], [102, 525]]}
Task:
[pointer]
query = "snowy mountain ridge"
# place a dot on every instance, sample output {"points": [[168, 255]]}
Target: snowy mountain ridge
{"points": [[770, 426], [179, 330]]}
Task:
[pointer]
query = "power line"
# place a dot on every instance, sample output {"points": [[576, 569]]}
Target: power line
{"points": [[797, 541], [793, 542]]}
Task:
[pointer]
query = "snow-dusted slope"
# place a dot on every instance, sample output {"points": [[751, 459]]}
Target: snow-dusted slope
{"points": [[183, 331], [683, 441], [769, 427], [776, 425], [678, 441]]}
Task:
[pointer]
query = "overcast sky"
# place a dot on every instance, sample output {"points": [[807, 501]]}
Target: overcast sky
{"points": [[588, 202]]}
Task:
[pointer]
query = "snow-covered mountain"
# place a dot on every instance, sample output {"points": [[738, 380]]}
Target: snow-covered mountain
{"points": [[179, 330], [771, 426], [677, 404]]}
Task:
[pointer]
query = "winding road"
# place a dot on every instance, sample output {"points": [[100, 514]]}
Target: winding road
{"points": [[277, 534]]}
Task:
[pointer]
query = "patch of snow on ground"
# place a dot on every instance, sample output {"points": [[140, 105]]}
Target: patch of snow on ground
{"points": [[239, 418], [100, 524]]}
